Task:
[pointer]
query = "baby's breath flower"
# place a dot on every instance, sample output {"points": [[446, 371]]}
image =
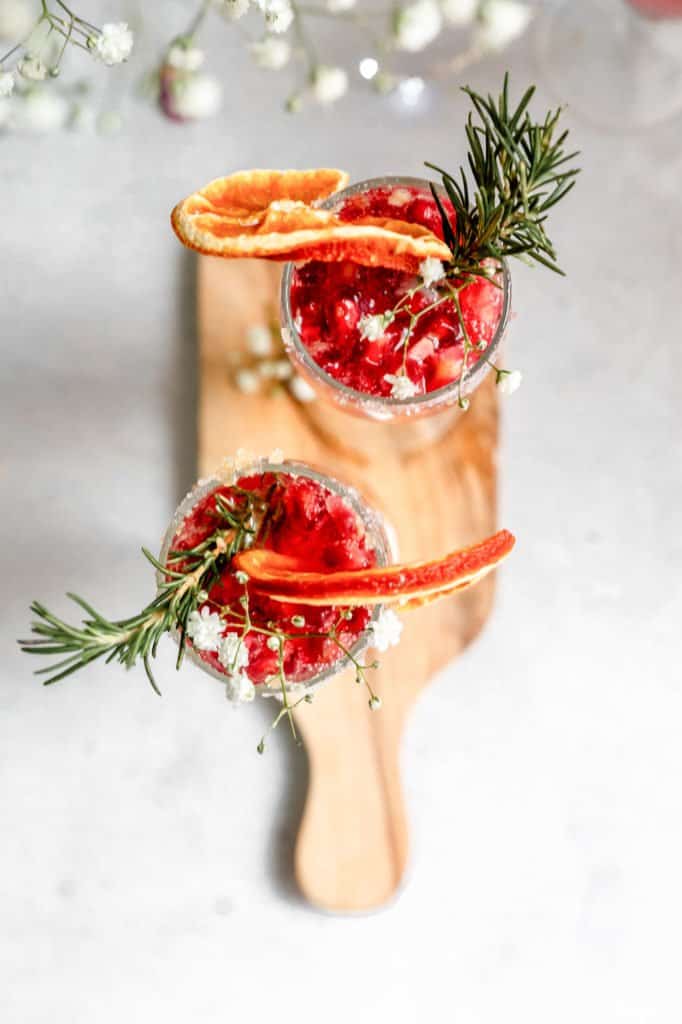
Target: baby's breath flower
{"points": [[431, 270], [386, 630], [114, 44], [239, 689], [298, 621], [233, 9], [247, 381], [301, 389], [374, 702], [273, 643], [259, 336], [185, 58], [32, 68], [417, 25], [195, 97], [372, 326], [241, 577], [401, 385], [500, 22], [459, 12], [508, 381], [233, 654], [271, 53], [329, 84], [205, 629], [6, 83], [279, 15]]}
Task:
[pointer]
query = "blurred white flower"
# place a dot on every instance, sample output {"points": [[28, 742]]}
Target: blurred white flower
{"points": [[329, 84], [247, 381], [196, 96], [417, 25], [233, 9], [337, 6], [185, 58], [233, 654], [6, 83], [508, 381], [459, 12], [301, 390], [239, 689], [32, 68], [386, 630], [431, 270], [259, 337], [500, 22], [271, 53], [401, 385], [279, 15], [40, 111], [16, 19], [204, 629], [114, 44]]}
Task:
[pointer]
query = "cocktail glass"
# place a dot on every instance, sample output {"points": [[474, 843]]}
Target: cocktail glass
{"points": [[409, 423], [379, 540]]}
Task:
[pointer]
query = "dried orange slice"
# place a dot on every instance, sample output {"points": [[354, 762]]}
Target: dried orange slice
{"points": [[282, 578], [270, 215]]}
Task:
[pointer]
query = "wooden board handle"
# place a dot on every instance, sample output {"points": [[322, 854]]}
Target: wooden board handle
{"points": [[352, 844]]}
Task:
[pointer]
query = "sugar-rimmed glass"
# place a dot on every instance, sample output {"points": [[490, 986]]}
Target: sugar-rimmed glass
{"points": [[445, 399], [380, 540]]}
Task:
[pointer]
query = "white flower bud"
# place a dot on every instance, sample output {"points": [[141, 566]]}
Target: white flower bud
{"points": [[329, 84], [508, 381], [196, 96], [417, 25], [301, 390], [279, 15], [114, 44], [271, 53], [500, 23], [259, 336], [32, 68], [247, 381]]}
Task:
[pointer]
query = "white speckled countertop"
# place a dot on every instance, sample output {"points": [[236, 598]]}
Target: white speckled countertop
{"points": [[145, 852]]}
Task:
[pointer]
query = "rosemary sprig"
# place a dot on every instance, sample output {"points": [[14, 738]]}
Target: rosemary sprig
{"points": [[186, 579], [520, 171]]}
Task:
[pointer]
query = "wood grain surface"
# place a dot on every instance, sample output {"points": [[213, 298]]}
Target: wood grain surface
{"points": [[353, 841]]}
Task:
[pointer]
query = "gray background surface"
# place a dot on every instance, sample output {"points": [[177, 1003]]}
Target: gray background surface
{"points": [[145, 859]]}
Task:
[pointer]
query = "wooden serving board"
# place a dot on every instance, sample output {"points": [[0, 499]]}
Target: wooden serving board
{"points": [[353, 841]]}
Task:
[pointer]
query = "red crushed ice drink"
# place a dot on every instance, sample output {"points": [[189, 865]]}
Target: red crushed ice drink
{"points": [[290, 509], [386, 343]]}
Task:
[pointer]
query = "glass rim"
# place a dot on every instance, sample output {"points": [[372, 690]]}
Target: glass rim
{"points": [[448, 394], [372, 520]]}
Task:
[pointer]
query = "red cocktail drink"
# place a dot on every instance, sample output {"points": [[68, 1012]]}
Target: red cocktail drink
{"points": [[387, 343], [291, 510]]}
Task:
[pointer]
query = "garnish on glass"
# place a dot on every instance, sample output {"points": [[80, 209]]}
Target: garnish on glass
{"points": [[273, 579], [423, 305]]}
